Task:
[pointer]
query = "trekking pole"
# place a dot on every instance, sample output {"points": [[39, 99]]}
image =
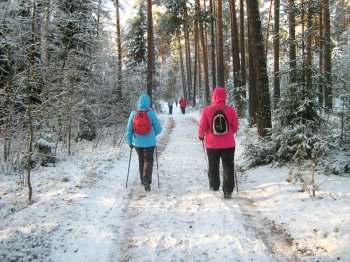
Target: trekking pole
{"points": [[235, 177], [236, 181], [206, 162], [205, 155], [157, 165], [127, 177]]}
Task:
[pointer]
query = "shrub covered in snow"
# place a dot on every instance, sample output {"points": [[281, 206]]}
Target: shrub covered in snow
{"points": [[45, 149], [86, 124], [299, 135]]}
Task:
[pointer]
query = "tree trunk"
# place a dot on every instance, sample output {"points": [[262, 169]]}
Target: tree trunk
{"points": [[183, 77], [188, 56], [292, 46], [32, 74], [303, 56], [309, 48], [268, 28], [30, 140], [7, 138], [235, 60], [196, 52], [328, 96], [200, 86], [205, 60], [47, 81], [276, 56], [242, 43], [8, 120], [188, 65], [99, 9], [260, 68], [220, 46], [212, 44], [253, 97], [320, 59], [149, 49], [119, 53], [70, 115]]}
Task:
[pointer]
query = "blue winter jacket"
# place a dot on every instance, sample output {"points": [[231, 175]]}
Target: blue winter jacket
{"points": [[149, 139]]}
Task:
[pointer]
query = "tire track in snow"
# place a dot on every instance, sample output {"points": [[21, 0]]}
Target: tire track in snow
{"points": [[189, 222], [119, 249], [276, 238], [184, 221], [164, 199]]}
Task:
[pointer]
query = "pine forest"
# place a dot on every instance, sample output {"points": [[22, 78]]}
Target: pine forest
{"points": [[71, 71], [74, 76]]}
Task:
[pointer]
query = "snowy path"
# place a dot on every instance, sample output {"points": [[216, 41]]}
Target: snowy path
{"points": [[183, 220], [83, 212]]}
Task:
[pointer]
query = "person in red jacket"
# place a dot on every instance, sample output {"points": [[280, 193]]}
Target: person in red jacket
{"points": [[219, 146], [183, 105]]}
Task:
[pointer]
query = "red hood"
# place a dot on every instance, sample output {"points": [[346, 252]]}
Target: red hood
{"points": [[219, 97]]}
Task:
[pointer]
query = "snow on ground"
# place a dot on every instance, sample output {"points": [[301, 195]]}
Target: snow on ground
{"points": [[83, 211]]}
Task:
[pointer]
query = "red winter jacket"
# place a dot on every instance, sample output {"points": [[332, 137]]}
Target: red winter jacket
{"points": [[205, 128], [183, 103]]}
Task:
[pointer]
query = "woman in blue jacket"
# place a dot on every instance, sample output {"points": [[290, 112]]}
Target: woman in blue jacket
{"points": [[144, 144]]}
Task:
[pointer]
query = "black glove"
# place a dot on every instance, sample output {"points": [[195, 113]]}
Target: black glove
{"points": [[201, 138]]}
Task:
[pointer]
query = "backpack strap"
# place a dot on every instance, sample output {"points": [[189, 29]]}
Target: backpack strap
{"points": [[138, 111]]}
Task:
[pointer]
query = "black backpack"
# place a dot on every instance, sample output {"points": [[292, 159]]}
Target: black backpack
{"points": [[220, 125]]}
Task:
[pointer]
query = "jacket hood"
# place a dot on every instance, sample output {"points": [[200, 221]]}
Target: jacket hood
{"points": [[144, 102], [219, 96]]}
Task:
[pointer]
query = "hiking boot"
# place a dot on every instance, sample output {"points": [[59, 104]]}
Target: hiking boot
{"points": [[227, 195], [147, 186]]}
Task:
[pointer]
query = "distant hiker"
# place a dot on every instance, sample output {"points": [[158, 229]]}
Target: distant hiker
{"points": [[183, 105], [176, 102], [170, 105], [142, 129], [217, 126]]}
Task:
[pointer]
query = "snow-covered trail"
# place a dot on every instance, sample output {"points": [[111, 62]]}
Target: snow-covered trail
{"points": [[183, 220], [83, 212]]}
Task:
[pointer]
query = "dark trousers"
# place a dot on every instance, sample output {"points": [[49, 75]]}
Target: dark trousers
{"points": [[227, 157], [170, 110], [183, 110], [146, 160]]}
